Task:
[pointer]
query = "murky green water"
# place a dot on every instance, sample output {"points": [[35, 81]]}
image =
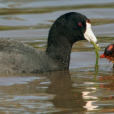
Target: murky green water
{"points": [[80, 90]]}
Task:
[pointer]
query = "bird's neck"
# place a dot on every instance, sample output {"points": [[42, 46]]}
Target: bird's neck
{"points": [[59, 49]]}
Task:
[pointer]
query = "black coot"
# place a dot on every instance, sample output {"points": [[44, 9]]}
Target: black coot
{"points": [[66, 30]]}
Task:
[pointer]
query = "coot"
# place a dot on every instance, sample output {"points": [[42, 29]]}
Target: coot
{"points": [[16, 57]]}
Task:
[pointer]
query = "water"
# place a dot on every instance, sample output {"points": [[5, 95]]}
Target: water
{"points": [[79, 90]]}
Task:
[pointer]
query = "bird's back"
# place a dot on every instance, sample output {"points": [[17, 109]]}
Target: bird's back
{"points": [[18, 57]]}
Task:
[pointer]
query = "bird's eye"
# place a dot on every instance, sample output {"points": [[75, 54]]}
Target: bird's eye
{"points": [[80, 24]]}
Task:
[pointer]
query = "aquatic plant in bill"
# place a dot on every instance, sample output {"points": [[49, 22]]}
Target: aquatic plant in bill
{"points": [[97, 54]]}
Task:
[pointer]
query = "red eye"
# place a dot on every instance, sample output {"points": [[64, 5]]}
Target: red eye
{"points": [[80, 24]]}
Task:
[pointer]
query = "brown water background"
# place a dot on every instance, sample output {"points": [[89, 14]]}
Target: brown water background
{"points": [[80, 90]]}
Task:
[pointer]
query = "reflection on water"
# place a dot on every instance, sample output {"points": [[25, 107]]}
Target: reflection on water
{"points": [[60, 91], [81, 90]]}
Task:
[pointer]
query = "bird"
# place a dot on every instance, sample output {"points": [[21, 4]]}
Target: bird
{"points": [[109, 53], [18, 57]]}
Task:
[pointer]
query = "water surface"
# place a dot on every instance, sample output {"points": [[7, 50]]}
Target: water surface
{"points": [[79, 90]]}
